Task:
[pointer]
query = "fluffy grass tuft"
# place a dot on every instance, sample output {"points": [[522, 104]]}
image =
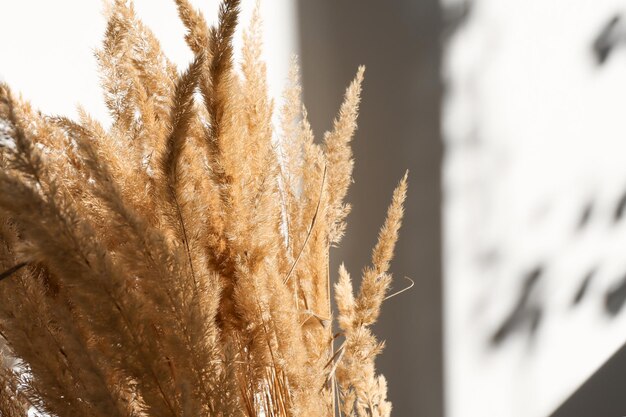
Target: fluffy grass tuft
{"points": [[176, 263]]}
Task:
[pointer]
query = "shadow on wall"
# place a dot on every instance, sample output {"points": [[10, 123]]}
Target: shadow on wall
{"points": [[399, 43], [602, 394]]}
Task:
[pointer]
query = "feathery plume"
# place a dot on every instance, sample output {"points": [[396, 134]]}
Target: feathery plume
{"points": [[176, 263], [339, 155]]}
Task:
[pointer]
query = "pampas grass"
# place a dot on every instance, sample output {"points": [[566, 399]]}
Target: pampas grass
{"points": [[176, 263]]}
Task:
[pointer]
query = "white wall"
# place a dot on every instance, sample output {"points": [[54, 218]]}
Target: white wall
{"points": [[46, 47], [535, 134]]}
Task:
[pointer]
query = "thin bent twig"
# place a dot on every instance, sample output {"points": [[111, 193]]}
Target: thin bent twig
{"points": [[12, 270], [402, 290], [310, 231]]}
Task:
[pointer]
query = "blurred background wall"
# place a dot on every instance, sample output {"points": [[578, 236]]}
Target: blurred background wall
{"points": [[535, 201], [399, 43]]}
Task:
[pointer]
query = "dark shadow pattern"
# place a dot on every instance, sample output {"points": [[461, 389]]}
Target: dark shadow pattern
{"points": [[526, 314]]}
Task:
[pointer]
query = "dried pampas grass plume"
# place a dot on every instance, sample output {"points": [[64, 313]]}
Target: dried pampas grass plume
{"points": [[176, 263]]}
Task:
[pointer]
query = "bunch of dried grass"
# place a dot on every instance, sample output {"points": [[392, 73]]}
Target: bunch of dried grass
{"points": [[176, 264]]}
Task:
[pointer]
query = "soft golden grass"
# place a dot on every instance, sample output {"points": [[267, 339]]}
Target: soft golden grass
{"points": [[176, 264]]}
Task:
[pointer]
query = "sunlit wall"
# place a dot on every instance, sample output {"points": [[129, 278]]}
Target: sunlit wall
{"points": [[534, 200]]}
